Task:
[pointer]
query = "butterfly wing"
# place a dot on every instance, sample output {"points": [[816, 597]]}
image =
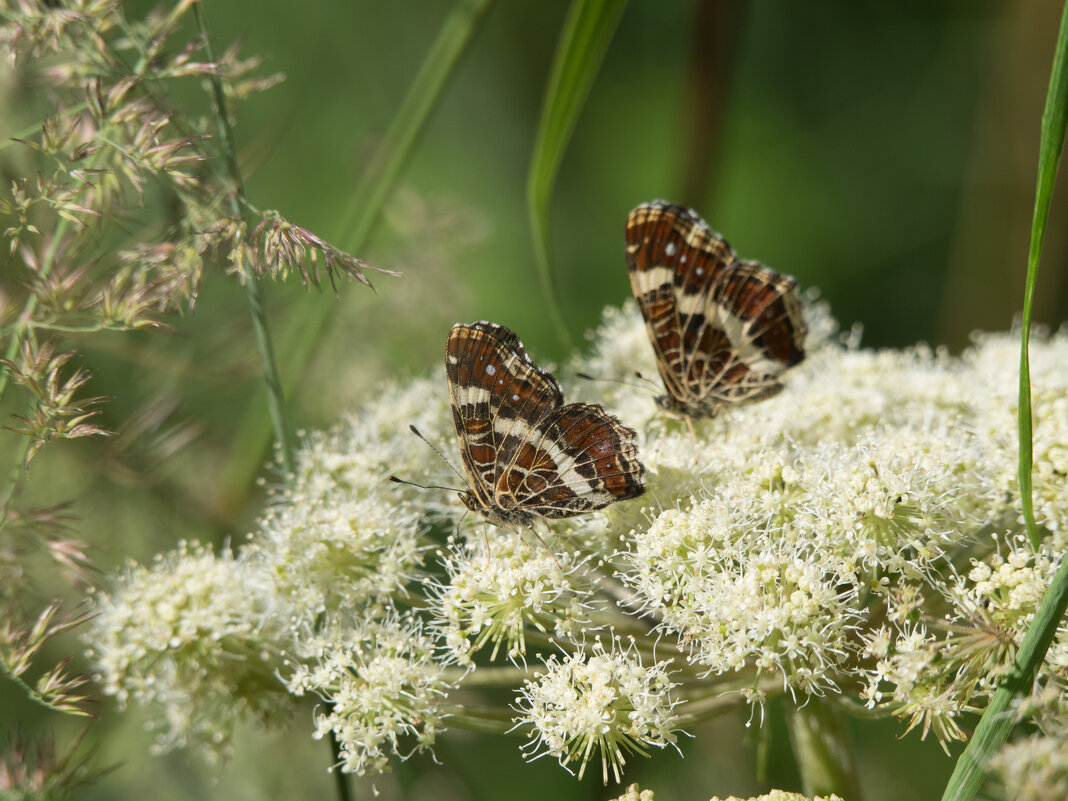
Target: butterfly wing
{"points": [[495, 390], [526, 454], [722, 329], [579, 458], [760, 312], [673, 260]]}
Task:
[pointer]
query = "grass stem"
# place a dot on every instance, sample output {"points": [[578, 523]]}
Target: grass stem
{"points": [[997, 721]]}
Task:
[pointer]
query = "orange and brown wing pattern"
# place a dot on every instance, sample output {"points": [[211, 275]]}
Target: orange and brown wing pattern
{"points": [[723, 330], [528, 455]]}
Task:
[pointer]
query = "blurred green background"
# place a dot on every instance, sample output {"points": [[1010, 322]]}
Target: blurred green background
{"points": [[882, 152]]}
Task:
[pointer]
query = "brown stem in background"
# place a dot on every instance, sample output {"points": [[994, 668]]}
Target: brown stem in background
{"points": [[987, 260], [716, 30]]}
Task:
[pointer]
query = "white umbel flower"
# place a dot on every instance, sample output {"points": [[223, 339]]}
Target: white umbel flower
{"points": [[779, 795], [382, 689], [1034, 768], [188, 638], [499, 586], [602, 702]]}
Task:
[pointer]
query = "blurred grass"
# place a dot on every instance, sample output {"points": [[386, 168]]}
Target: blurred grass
{"points": [[853, 155], [586, 34], [997, 722], [359, 219]]}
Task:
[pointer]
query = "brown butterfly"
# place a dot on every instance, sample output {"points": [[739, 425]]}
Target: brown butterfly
{"points": [[723, 329], [527, 454]]}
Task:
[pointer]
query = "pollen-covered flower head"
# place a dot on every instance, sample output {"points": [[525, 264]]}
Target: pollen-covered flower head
{"points": [[780, 795], [634, 793], [1034, 768], [381, 687], [598, 702], [501, 585], [341, 535], [189, 638]]}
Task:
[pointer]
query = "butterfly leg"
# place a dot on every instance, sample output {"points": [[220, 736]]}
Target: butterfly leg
{"points": [[545, 545]]}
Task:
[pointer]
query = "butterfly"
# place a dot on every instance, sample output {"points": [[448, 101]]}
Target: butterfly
{"points": [[723, 329], [527, 454]]}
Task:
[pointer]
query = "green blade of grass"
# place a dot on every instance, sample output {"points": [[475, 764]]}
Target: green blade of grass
{"points": [[584, 39], [302, 332], [426, 89], [997, 721]]}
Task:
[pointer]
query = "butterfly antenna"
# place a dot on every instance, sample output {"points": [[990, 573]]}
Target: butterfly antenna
{"points": [[653, 387], [652, 384], [397, 480], [441, 455]]}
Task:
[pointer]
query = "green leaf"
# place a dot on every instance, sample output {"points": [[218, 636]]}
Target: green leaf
{"points": [[587, 32], [997, 721]]}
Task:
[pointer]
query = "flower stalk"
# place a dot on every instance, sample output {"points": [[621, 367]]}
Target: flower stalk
{"points": [[273, 385], [821, 744]]}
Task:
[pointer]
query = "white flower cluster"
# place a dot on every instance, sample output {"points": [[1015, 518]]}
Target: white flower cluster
{"points": [[858, 533], [634, 794], [342, 535], [381, 687], [188, 638], [201, 639], [500, 588], [602, 701], [783, 519], [1034, 768], [860, 529], [994, 363], [780, 795]]}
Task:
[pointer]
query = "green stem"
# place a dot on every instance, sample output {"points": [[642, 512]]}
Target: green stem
{"points": [[820, 741], [492, 677], [475, 722], [997, 721], [18, 330], [693, 712], [1051, 141], [341, 780], [358, 221], [584, 39], [14, 138], [16, 473], [36, 697], [275, 396]]}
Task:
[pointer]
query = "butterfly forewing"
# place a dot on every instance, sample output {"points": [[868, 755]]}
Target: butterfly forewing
{"points": [[723, 330], [528, 455]]}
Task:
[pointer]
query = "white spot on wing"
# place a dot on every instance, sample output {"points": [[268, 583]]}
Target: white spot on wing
{"points": [[669, 249], [490, 369]]}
